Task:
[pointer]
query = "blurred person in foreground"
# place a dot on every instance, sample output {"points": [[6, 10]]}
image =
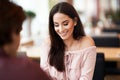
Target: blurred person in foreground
{"points": [[68, 54], [11, 66]]}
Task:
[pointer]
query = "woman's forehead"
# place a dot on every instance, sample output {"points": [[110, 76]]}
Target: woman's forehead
{"points": [[60, 17]]}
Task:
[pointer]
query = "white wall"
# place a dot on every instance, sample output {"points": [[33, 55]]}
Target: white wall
{"points": [[39, 25], [40, 22]]}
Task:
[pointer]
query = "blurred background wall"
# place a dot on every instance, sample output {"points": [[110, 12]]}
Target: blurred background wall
{"points": [[95, 15]]}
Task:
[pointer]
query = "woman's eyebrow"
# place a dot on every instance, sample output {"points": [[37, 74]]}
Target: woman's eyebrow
{"points": [[65, 21], [62, 22], [55, 23]]}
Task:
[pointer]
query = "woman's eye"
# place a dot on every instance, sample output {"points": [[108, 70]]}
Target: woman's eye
{"points": [[56, 25], [65, 24]]}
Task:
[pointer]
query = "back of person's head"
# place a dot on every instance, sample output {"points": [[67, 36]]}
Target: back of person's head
{"points": [[69, 10], [11, 19]]}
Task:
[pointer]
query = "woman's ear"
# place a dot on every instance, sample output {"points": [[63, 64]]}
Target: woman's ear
{"points": [[75, 21]]}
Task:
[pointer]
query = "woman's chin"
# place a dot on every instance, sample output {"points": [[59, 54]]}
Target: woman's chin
{"points": [[64, 38]]}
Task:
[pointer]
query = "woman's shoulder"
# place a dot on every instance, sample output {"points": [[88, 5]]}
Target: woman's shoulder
{"points": [[86, 41]]}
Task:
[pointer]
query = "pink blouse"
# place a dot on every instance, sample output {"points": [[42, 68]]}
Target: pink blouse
{"points": [[79, 64]]}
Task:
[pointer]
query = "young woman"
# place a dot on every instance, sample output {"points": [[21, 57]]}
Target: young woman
{"points": [[11, 66], [68, 54]]}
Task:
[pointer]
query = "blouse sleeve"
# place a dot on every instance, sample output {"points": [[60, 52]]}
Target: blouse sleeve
{"points": [[88, 64], [44, 50]]}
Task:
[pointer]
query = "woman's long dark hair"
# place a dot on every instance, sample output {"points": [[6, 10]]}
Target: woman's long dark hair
{"points": [[57, 50]]}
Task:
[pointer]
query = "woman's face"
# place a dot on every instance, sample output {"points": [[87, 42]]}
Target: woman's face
{"points": [[63, 25]]}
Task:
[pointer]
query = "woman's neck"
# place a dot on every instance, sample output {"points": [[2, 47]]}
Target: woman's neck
{"points": [[69, 43]]}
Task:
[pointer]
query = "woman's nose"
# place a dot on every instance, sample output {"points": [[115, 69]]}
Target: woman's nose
{"points": [[61, 29]]}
